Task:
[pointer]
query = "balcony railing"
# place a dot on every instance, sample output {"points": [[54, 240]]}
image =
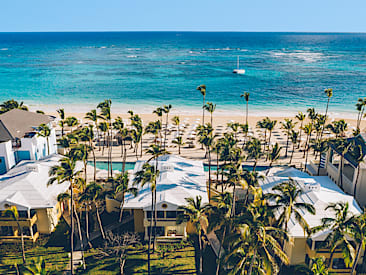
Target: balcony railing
{"points": [[7, 221], [12, 239]]}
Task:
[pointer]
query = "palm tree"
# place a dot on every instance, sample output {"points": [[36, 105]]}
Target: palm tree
{"points": [[286, 198], [93, 116], [245, 130], [273, 155], [104, 127], [210, 107], [71, 122], [153, 127], [36, 267], [340, 229], [166, 109], [61, 113], [294, 137], [234, 126], [123, 188], [176, 122], [207, 139], [359, 157], [159, 112], [270, 124], [179, 141], [194, 213], [86, 134], [246, 97], [148, 175], [318, 267], [360, 107], [301, 117], [45, 131], [329, 93], [13, 213], [12, 104], [358, 231], [220, 217], [202, 89], [254, 150], [320, 146], [308, 129], [66, 172], [342, 147], [288, 125]]}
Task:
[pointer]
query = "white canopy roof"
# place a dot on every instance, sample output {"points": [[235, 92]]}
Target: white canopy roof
{"points": [[319, 191], [179, 179], [25, 186]]}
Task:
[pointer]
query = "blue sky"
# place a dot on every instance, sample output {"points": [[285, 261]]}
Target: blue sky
{"points": [[190, 15]]}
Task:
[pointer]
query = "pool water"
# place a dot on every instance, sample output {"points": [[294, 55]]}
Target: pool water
{"points": [[103, 165]]}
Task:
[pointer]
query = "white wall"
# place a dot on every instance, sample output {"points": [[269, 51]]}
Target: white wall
{"points": [[7, 152]]}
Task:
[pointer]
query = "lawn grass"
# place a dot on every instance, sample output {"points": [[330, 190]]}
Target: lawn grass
{"points": [[179, 261]]}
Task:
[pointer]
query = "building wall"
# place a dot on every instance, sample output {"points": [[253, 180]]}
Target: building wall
{"points": [[6, 151], [138, 216], [296, 251], [48, 219], [361, 188]]}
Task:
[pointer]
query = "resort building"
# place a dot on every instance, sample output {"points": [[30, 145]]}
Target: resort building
{"points": [[19, 139], [179, 179], [351, 175], [25, 186], [319, 191]]}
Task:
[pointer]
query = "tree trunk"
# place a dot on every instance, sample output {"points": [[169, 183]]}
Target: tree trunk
{"points": [[100, 222], [292, 153], [209, 175], [300, 136], [200, 248], [150, 233], [218, 256], [252, 263], [80, 236], [22, 241], [357, 176], [155, 219], [72, 229], [48, 146], [95, 165], [124, 157], [288, 134], [121, 207], [358, 255], [246, 115]]}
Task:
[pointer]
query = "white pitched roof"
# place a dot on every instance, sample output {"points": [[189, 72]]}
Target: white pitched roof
{"points": [[320, 191], [26, 185], [179, 179]]}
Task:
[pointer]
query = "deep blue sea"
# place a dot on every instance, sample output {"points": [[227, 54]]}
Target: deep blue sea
{"points": [[142, 70]]}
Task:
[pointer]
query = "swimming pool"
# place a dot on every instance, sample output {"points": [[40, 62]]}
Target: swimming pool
{"points": [[130, 165]]}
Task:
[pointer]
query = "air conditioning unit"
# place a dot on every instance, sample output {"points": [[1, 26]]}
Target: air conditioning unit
{"points": [[32, 168], [312, 187]]}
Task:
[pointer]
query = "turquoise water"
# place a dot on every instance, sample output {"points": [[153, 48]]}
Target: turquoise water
{"points": [[284, 71], [130, 165]]}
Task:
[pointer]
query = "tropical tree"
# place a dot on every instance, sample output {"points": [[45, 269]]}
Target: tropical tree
{"points": [[195, 213], [176, 122], [340, 230], [202, 89], [342, 147], [254, 151], [318, 267], [179, 141], [360, 107], [13, 213], [36, 267], [320, 146], [12, 104], [86, 135], [338, 128], [359, 157], [288, 125], [329, 93], [45, 131], [93, 116], [273, 155], [148, 175], [166, 110], [300, 117], [270, 124], [210, 107], [104, 128], [71, 122], [245, 95], [286, 201], [66, 172], [154, 127], [294, 138], [61, 113]]}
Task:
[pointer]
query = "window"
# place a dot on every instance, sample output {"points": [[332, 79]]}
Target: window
{"points": [[160, 214], [148, 214], [338, 263], [171, 214]]}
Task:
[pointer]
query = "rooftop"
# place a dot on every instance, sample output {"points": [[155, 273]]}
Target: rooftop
{"points": [[179, 179], [25, 186], [16, 123], [319, 191]]}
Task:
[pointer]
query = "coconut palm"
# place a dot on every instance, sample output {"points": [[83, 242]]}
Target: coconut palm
{"points": [[338, 128], [176, 122], [288, 125], [148, 175], [273, 155], [61, 113], [36, 267], [320, 146], [86, 135], [245, 95], [71, 122], [360, 107], [312, 114], [286, 201], [358, 231], [245, 131], [207, 139], [210, 107], [159, 112], [13, 213], [234, 126], [300, 117], [294, 138], [308, 129], [318, 267], [12, 104], [202, 89], [66, 172], [340, 231], [154, 127], [270, 124], [166, 110], [45, 131], [179, 141], [93, 116], [254, 151], [81, 152], [104, 127], [329, 93], [342, 147], [359, 158], [195, 213]]}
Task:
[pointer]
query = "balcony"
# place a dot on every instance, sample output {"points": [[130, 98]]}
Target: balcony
{"points": [[13, 239], [24, 222]]}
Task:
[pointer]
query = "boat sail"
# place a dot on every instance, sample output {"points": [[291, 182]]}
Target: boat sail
{"points": [[238, 70]]}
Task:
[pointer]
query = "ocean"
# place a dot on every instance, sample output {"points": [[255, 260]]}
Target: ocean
{"points": [[285, 72]]}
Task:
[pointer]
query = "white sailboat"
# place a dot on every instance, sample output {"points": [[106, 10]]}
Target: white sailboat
{"points": [[238, 70]]}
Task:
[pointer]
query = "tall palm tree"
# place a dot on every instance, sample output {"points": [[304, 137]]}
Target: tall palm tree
{"points": [[194, 213], [166, 109], [71, 122], [179, 141], [308, 129], [340, 229], [202, 89], [93, 116], [123, 188], [358, 231], [320, 146], [360, 107], [61, 113], [359, 157], [81, 152], [273, 155], [86, 134], [66, 172], [286, 200], [12, 104], [210, 107], [288, 125], [159, 112], [154, 127], [254, 151], [342, 147], [294, 138], [245, 95], [104, 127], [148, 175], [45, 131], [176, 122], [329, 93], [207, 139], [13, 213], [300, 117], [270, 124]]}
